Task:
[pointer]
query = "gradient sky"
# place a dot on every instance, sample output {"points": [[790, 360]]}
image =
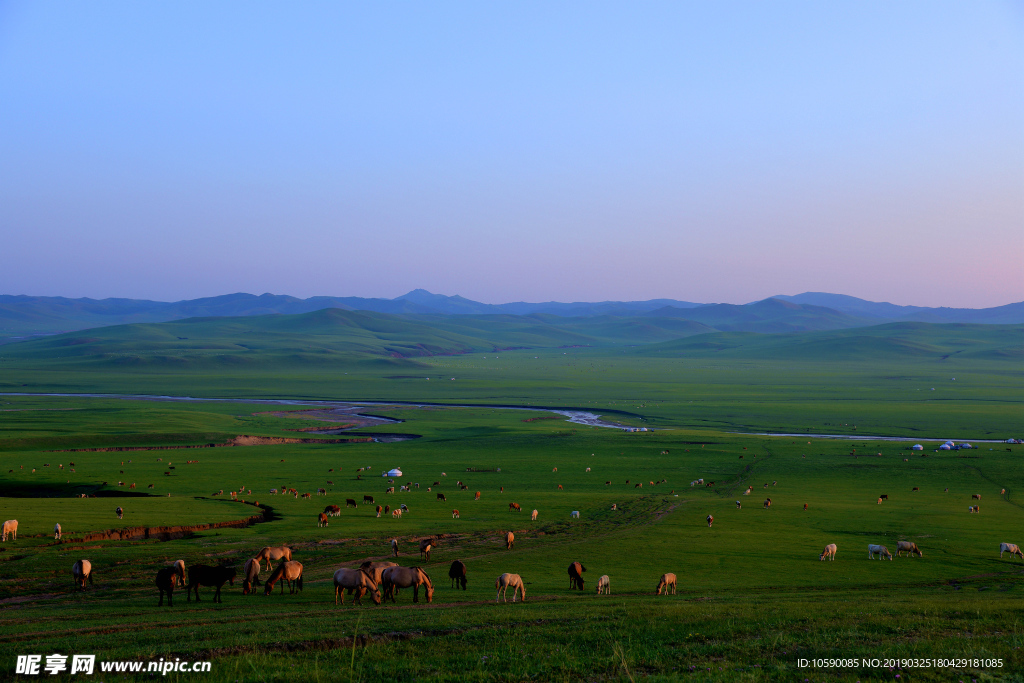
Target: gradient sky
{"points": [[705, 151]]}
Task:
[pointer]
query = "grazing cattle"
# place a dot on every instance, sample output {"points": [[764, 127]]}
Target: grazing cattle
{"points": [[165, 580], [394, 546], [738, 505], [455, 514], [321, 492], [289, 572], [884, 497], [1001, 492], [406, 577], [358, 582], [914, 489], [376, 569], [205, 575], [80, 572], [441, 496], [637, 486], [457, 573], [615, 506], [368, 499], [879, 550], [119, 512], [56, 531], [974, 508], [10, 528], [250, 576], [477, 496], [437, 483], [607, 483], [268, 554], [829, 552], [387, 509], [396, 513], [404, 508], [575, 572], [379, 510], [604, 585], [879, 501], [332, 511], [975, 496], [350, 502], [506, 581], [588, 469], [1010, 548], [533, 516], [667, 583], [514, 506], [322, 520], [510, 539], [307, 495], [709, 519], [575, 514], [560, 488], [908, 547], [767, 503]]}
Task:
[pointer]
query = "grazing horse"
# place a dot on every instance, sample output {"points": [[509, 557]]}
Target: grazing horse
{"points": [[268, 554], [1010, 548], [879, 550], [533, 516], [909, 547], [394, 546], [457, 573], [250, 576], [56, 532], [321, 520], [506, 581], [604, 585], [359, 582], [119, 512], [179, 571], [406, 577], [829, 552], [205, 575], [576, 575], [166, 577], [510, 539], [375, 569], [80, 571], [289, 572], [667, 583], [514, 506]]}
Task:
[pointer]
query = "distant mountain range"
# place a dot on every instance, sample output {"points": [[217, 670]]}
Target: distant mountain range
{"points": [[651, 321]]}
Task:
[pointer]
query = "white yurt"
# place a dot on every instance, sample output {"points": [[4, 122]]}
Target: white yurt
{"points": [[392, 473], [917, 447]]}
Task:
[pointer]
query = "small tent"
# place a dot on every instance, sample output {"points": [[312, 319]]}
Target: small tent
{"points": [[917, 447], [392, 473]]}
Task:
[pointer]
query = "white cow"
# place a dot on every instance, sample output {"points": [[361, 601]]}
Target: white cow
{"points": [[56, 531], [829, 552], [604, 585], [879, 550], [1010, 548]]}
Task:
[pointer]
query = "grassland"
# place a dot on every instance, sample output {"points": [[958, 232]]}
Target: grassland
{"points": [[753, 596]]}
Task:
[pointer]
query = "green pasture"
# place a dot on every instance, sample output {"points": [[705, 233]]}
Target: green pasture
{"points": [[753, 595]]}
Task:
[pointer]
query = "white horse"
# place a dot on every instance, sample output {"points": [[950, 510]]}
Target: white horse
{"points": [[56, 531], [506, 581], [604, 585], [1010, 548]]}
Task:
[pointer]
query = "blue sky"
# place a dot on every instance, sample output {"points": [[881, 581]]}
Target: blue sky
{"points": [[514, 151]]}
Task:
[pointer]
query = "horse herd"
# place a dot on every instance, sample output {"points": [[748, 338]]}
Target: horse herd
{"points": [[910, 548]]}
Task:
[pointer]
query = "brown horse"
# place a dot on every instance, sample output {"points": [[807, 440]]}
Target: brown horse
{"points": [[205, 575], [667, 583], [514, 506], [406, 577], [268, 554], [166, 577], [359, 582], [576, 575], [457, 573], [179, 572], [375, 569], [510, 539], [289, 572], [250, 576]]}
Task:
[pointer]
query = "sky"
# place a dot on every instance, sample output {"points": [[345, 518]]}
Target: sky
{"points": [[514, 151]]}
